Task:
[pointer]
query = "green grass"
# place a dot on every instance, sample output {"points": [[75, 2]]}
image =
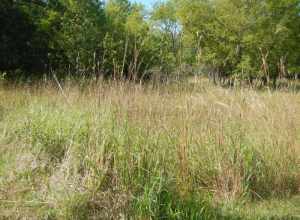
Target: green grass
{"points": [[124, 151]]}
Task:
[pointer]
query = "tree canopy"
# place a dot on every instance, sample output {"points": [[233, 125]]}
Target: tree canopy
{"points": [[228, 38]]}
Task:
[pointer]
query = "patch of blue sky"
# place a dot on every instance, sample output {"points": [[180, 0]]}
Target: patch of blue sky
{"points": [[147, 3]]}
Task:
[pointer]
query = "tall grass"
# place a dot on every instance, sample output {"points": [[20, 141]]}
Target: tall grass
{"points": [[116, 150]]}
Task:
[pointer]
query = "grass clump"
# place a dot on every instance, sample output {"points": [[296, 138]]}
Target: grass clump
{"points": [[51, 131], [122, 151]]}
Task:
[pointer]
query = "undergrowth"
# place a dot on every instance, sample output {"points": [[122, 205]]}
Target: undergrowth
{"points": [[124, 151]]}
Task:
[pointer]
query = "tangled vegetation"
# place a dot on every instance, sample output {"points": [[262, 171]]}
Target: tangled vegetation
{"points": [[117, 150], [228, 40], [189, 109]]}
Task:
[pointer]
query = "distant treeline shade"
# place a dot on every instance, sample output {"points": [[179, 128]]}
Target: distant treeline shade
{"points": [[225, 39]]}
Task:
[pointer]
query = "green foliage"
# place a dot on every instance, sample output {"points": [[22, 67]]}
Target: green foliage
{"points": [[23, 44], [50, 132], [247, 38], [81, 32], [232, 39], [159, 200]]}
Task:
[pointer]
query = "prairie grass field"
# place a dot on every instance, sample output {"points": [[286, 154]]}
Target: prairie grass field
{"points": [[119, 150]]}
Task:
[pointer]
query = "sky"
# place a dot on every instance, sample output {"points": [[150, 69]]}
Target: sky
{"points": [[148, 3]]}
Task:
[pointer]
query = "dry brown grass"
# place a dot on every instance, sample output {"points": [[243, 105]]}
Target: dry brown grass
{"points": [[118, 137]]}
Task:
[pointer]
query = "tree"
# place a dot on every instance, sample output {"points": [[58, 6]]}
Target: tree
{"points": [[81, 33], [245, 39], [167, 29], [233, 39], [23, 44]]}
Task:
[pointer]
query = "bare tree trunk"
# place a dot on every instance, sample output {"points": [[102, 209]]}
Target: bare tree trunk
{"points": [[265, 67], [124, 57]]}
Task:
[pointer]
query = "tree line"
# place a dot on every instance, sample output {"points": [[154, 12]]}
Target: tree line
{"points": [[226, 39]]}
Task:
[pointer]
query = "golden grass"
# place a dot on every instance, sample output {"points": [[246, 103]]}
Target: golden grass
{"points": [[99, 147]]}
